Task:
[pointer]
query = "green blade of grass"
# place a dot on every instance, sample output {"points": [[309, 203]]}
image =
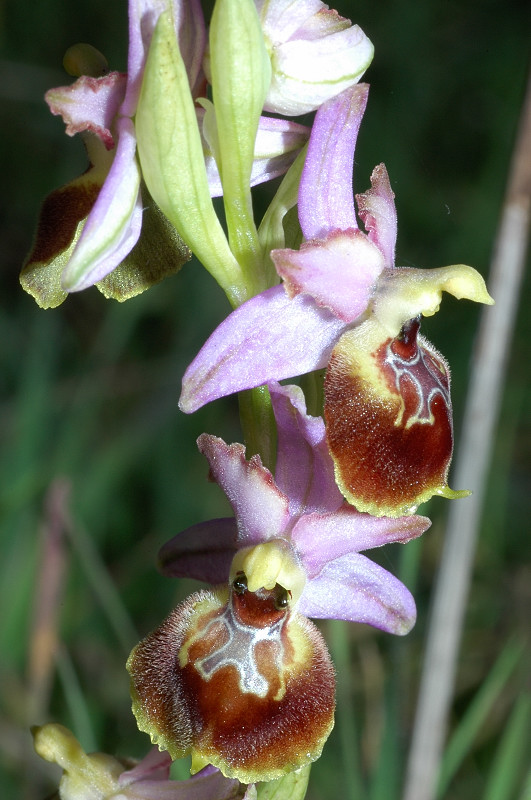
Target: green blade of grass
{"points": [[512, 751], [466, 732], [75, 698], [345, 713]]}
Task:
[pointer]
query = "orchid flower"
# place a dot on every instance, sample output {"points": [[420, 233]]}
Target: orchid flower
{"points": [[90, 227], [345, 306], [237, 675], [99, 776], [315, 54]]}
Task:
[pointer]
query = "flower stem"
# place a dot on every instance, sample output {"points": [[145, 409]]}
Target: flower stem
{"points": [[258, 425]]}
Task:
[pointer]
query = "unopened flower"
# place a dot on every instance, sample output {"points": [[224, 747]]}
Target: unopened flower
{"points": [[98, 776], [315, 54], [345, 306], [237, 676]]}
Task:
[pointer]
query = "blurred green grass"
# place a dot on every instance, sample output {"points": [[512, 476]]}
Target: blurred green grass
{"points": [[89, 392]]}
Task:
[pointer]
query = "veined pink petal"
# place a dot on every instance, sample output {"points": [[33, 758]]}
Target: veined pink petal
{"points": [[324, 23], [377, 211], [203, 551], [339, 272], [270, 337], [354, 588], [304, 469], [192, 36], [89, 104], [190, 31], [113, 226], [275, 136], [155, 766], [143, 16], [151, 777], [282, 18], [321, 538], [325, 192], [261, 509], [278, 142]]}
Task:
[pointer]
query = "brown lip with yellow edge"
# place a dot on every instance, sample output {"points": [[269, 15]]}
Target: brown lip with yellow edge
{"points": [[238, 680], [389, 422]]}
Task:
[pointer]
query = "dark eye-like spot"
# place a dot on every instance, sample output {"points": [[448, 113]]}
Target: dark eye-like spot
{"points": [[239, 583], [281, 598]]}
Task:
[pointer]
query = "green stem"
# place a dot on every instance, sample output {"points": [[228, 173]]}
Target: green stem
{"points": [[258, 425]]}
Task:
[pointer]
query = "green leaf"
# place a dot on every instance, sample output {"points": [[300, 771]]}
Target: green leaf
{"points": [[512, 752], [471, 723], [292, 786]]}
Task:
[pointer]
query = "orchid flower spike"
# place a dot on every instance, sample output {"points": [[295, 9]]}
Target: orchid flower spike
{"points": [[345, 306], [99, 776], [237, 675]]}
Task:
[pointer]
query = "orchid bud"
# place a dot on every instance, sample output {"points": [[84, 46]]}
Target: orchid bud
{"points": [[315, 54]]}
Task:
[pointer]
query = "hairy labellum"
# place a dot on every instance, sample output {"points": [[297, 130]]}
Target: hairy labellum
{"points": [[389, 419], [238, 680]]}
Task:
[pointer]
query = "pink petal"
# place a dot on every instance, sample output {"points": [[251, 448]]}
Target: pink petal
{"points": [[339, 272], [326, 202], [154, 766], [113, 226], [304, 470], [89, 104], [354, 588], [190, 31], [261, 509], [204, 785], [278, 142], [282, 18], [204, 551], [321, 538], [377, 211], [270, 337]]}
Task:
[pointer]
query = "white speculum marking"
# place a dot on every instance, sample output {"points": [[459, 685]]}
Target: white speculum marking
{"points": [[412, 369], [239, 651]]}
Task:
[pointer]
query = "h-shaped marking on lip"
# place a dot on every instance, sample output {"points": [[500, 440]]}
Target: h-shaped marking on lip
{"points": [[238, 651], [412, 368]]}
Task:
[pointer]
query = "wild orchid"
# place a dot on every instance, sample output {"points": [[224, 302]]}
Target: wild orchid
{"points": [[242, 661], [90, 226], [345, 306], [103, 228], [237, 676], [98, 776]]}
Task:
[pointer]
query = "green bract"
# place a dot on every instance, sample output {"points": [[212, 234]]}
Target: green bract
{"points": [[171, 156], [241, 74]]}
